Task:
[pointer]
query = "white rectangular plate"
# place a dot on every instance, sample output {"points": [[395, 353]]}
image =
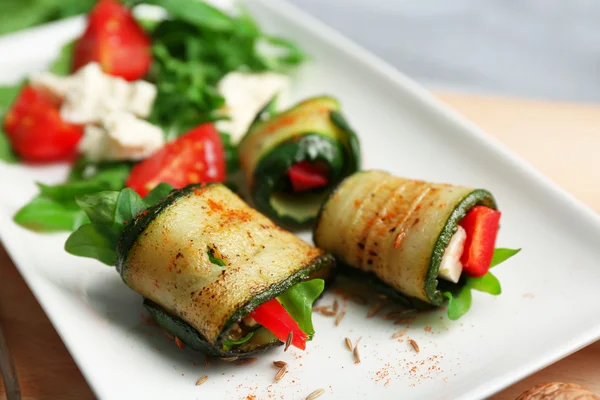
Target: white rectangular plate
{"points": [[549, 308]]}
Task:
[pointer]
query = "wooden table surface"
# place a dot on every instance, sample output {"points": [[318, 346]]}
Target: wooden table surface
{"points": [[561, 140]]}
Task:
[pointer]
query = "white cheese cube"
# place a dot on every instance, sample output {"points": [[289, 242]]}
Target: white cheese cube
{"points": [[450, 266], [245, 94]]}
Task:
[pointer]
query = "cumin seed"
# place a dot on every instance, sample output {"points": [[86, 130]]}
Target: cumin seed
{"points": [[288, 342], [356, 354], [327, 313], [245, 361], [335, 306], [201, 380], [399, 333], [414, 345], [280, 374], [348, 343], [396, 314], [315, 394], [375, 309], [279, 364], [339, 318], [404, 321], [179, 343], [229, 359]]}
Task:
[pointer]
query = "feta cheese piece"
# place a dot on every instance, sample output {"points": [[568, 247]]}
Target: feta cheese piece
{"points": [[245, 94], [121, 136], [450, 266], [90, 94]]}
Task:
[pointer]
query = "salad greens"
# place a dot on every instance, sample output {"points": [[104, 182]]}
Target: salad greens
{"points": [[298, 301], [7, 96], [459, 295]]}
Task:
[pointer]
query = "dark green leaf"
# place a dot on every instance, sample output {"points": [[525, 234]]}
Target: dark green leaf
{"points": [[459, 302], [99, 207], [228, 344], [64, 62], [68, 191], [501, 255], [215, 260], [198, 13], [44, 214], [298, 301], [94, 241], [6, 153], [160, 191], [129, 204], [7, 95]]}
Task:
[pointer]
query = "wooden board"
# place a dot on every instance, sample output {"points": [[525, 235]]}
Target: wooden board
{"points": [[561, 140]]}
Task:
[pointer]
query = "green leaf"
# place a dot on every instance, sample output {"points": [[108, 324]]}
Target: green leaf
{"points": [[94, 241], [487, 283], [298, 301], [8, 94], [129, 204], [99, 207], [6, 153], [64, 62], [459, 302], [229, 343], [197, 13], [44, 214], [160, 191], [213, 259], [501, 255], [67, 192]]}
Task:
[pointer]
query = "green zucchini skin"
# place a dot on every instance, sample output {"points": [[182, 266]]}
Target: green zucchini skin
{"points": [[318, 132], [307, 260], [390, 222]]}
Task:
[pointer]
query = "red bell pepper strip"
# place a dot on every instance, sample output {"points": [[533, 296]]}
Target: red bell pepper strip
{"points": [[305, 176], [115, 40], [481, 225], [35, 129], [273, 316], [196, 156]]}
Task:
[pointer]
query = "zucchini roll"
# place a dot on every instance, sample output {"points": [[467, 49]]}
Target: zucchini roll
{"points": [[404, 235], [294, 159], [206, 264]]}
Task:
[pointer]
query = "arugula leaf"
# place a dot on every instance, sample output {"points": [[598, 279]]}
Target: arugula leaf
{"points": [[45, 214], [213, 259], [94, 241], [229, 343], [198, 13], [109, 213], [63, 64], [459, 295], [298, 301], [160, 191]]}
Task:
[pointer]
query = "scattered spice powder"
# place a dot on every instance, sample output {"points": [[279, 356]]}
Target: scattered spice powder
{"points": [[414, 345], [179, 343], [201, 380], [315, 394], [339, 318], [288, 342], [427, 329], [399, 334], [348, 343]]}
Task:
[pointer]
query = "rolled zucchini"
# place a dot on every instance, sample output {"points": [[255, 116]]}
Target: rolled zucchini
{"points": [[396, 231], [293, 160], [203, 260]]}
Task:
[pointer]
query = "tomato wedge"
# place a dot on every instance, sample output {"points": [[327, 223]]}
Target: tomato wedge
{"points": [[306, 176], [114, 39], [481, 225], [197, 156], [273, 316], [35, 129]]}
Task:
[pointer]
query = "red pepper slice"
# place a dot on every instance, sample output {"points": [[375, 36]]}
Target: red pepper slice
{"points": [[481, 225], [35, 129], [114, 39], [273, 316], [305, 176], [196, 156]]}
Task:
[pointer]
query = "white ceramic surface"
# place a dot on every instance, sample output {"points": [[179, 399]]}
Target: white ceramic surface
{"points": [[550, 306]]}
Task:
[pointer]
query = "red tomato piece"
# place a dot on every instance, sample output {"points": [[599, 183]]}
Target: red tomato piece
{"points": [[481, 225], [35, 129], [114, 39], [305, 176], [197, 156], [273, 316]]}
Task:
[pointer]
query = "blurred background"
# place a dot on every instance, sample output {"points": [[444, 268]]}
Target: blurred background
{"points": [[528, 48]]}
